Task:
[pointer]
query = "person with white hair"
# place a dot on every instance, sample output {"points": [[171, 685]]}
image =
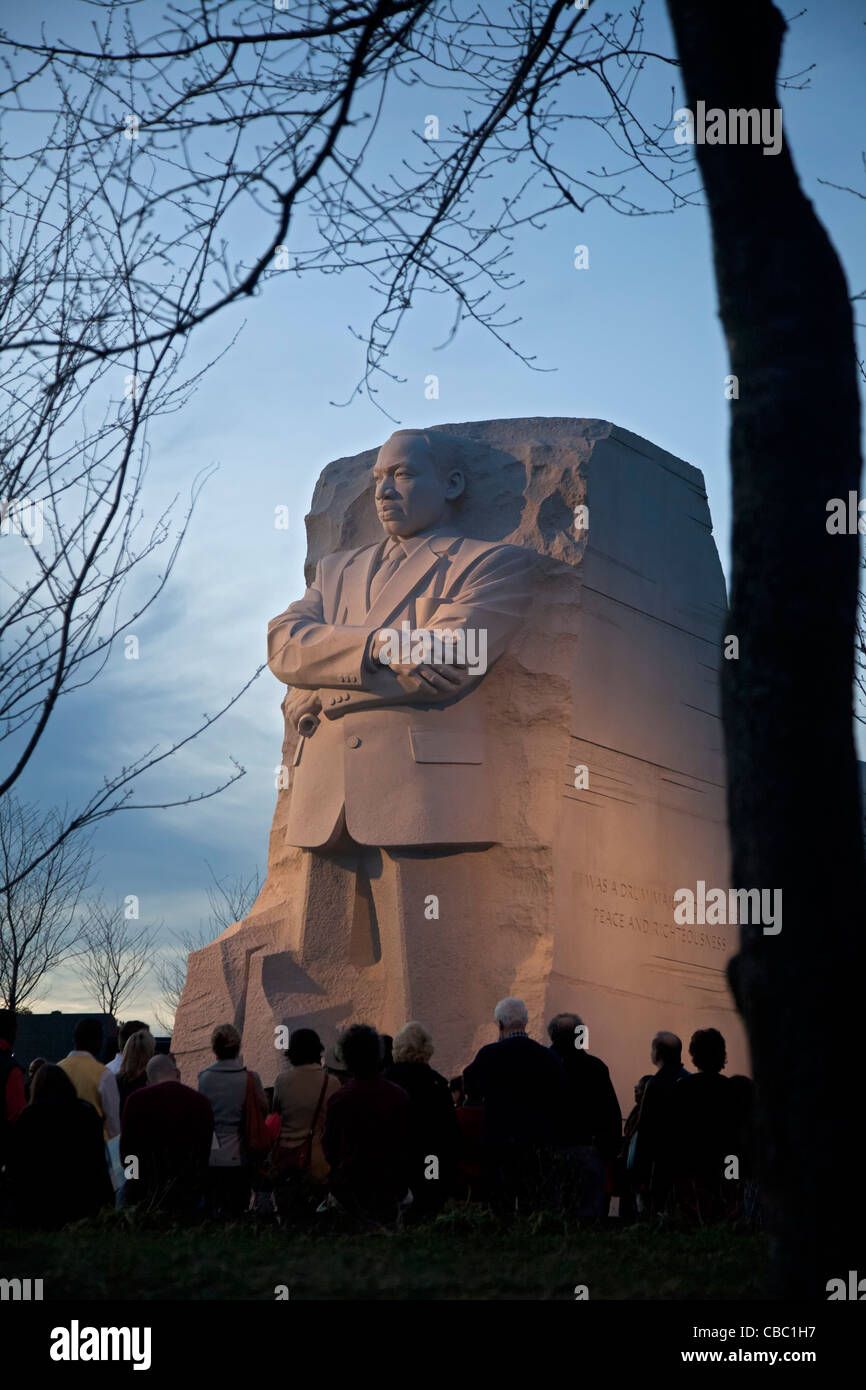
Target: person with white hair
{"points": [[431, 1117], [523, 1089], [512, 1017]]}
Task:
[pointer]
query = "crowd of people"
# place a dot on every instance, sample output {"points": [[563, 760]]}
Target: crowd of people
{"points": [[370, 1129]]}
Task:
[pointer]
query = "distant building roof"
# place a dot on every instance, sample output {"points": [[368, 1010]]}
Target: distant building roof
{"points": [[50, 1035]]}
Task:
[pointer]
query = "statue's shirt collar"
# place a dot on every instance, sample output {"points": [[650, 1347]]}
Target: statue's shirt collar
{"points": [[438, 540]]}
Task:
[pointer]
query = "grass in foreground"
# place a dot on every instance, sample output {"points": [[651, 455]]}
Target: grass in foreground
{"points": [[465, 1254]]}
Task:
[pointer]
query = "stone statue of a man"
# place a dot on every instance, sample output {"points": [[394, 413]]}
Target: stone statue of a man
{"points": [[392, 747]]}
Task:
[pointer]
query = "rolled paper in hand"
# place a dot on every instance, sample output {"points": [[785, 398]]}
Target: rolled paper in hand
{"points": [[307, 724]]}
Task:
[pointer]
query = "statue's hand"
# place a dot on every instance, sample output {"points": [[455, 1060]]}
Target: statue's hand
{"points": [[298, 703], [445, 680], [440, 675], [424, 677]]}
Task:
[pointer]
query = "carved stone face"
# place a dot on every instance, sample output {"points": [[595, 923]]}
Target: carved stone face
{"points": [[412, 495]]}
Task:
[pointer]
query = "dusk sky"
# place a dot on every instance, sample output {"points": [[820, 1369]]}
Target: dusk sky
{"points": [[633, 339]]}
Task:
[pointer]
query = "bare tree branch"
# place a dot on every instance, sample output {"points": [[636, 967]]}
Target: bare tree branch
{"points": [[40, 926], [117, 952], [307, 153]]}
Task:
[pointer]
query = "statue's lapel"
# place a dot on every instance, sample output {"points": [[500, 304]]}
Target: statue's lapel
{"points": [[356, 583]]}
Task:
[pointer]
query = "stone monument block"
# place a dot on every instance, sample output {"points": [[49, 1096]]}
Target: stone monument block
{"points": [[528, 836]]}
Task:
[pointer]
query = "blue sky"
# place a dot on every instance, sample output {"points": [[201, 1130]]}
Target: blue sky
{"points": [[634, 339]]}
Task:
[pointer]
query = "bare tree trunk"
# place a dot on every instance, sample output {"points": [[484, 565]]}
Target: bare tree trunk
{"points": [[793, 794]]}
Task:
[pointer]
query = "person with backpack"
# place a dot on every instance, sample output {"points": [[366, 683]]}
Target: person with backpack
{"points": [[301, 1095]]}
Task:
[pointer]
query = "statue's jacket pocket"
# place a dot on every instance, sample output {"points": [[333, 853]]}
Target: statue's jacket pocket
{"points": [[446, 746]]}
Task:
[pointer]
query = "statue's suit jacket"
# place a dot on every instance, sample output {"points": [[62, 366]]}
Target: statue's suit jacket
{"points": [[406, 769]]}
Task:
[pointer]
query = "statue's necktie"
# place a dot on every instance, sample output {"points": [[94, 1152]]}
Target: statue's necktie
{"points": [[389, 565]]}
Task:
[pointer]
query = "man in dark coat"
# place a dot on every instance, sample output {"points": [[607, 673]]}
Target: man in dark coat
{"points": [[523, 1089], [654, 1158], [593, 1121]]}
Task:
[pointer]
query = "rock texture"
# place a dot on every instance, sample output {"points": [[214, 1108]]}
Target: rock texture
{"points": [[616, 671]]}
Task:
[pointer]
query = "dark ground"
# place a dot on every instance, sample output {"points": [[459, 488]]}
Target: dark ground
{"points": [[465, 1254]]}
